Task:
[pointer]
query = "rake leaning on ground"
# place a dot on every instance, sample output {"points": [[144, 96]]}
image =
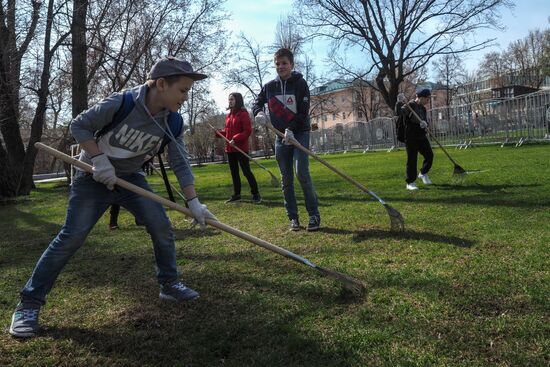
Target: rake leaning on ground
{"points": [[351, 284], [397, 222], [458, 171], [274, 180]]}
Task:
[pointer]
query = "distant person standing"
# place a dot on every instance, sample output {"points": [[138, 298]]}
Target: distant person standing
{"points": [[237, 130], [416, 140]]}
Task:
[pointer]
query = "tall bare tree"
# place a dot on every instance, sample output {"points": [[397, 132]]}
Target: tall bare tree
{"points": [[494, 66], [54, 10], [288, 36], [17, 29], [449, 71], [391, 33], [525, 59], [251, 69]]}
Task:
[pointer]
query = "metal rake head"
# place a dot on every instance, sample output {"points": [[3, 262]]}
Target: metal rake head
{"points": [[274, 181], [459, 174], [353, 285], [459, 170], [396, 219]]}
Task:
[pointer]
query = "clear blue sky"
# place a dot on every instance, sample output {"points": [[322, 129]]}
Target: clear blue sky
{"points": [[258, 19]]}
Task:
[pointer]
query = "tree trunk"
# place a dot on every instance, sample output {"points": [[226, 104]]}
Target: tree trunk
{"points": [[26, 183], [78, 52], [12, 149]]}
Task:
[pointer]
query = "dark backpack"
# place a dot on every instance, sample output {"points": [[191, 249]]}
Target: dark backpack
{"points": [[400, 124], [175, 121]]}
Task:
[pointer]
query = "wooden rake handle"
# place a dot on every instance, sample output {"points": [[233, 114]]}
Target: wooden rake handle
{"points": [[230, 143], [325, 163], [430, 133], [240, 150], [159, 199]]}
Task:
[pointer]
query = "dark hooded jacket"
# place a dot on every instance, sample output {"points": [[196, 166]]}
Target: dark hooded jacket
{"points": [[288, 102], [413, 131]]}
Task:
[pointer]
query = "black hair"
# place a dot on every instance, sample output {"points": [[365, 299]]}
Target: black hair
{"points": [[239, 102]]}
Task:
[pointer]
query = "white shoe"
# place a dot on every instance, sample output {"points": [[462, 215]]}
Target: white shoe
{"points": [[412, 186], [425, 179]]}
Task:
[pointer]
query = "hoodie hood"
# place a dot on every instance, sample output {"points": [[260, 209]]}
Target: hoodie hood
{"points": [[294, 75], [139, 94]]}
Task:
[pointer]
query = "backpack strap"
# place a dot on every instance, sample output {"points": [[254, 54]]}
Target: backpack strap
{"points": [[175, 123], [123, 111]]}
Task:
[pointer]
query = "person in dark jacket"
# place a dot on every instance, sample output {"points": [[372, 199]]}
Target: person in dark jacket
{"points": [[287, 97], [237, 130], [416, 140]]}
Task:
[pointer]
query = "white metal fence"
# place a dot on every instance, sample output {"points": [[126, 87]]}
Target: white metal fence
{"points": [[496, 121]]}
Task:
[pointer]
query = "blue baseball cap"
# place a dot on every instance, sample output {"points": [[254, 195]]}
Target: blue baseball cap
{"points": [[423, 93]]}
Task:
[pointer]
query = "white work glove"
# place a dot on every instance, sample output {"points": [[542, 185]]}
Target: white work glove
{"points": [[423, 124], [103, 171], [260, 118], [200, 212], [289, 136]]}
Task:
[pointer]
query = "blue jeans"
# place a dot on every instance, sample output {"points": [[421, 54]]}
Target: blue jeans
{"points": [[287, 155], [87, 203]]}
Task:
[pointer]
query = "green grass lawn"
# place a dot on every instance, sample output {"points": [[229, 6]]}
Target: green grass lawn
{"points": [[467, 283]]}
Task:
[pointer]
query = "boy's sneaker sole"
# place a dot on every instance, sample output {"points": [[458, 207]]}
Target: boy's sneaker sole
{"points": [[29, 334], [167, 297], [26, 332]]}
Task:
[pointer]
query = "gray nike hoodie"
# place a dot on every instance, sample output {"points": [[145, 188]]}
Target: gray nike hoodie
{"points": [[135, 139]]}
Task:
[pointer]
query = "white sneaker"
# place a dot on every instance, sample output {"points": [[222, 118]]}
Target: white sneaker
{"points": [[425, 179], [412, 186]]}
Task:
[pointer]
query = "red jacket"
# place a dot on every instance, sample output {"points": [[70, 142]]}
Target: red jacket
{"points": [[238, 128]]}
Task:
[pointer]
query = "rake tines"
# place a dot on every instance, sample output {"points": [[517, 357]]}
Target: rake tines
{"points": [[274, 180], [397, 223], [353, 285]]}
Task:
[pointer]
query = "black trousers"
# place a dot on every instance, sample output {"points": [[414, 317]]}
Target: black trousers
{"points": [[113, 215], [235, 159], [414, 147]]}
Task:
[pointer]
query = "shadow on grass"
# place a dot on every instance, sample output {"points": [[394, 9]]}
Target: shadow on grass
{"points": [[479, 200], [413, 235], [488, 189], [241, 319], [196, 335], [31, 240]]}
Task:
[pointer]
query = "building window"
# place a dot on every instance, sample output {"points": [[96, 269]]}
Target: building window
{"points": [[360, 114], [333, 116], [325, 118]]}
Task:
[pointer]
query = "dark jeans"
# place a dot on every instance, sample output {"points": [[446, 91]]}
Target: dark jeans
{"points": [[88, 201], [236, 158], [415, 146], [289, 157]]}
